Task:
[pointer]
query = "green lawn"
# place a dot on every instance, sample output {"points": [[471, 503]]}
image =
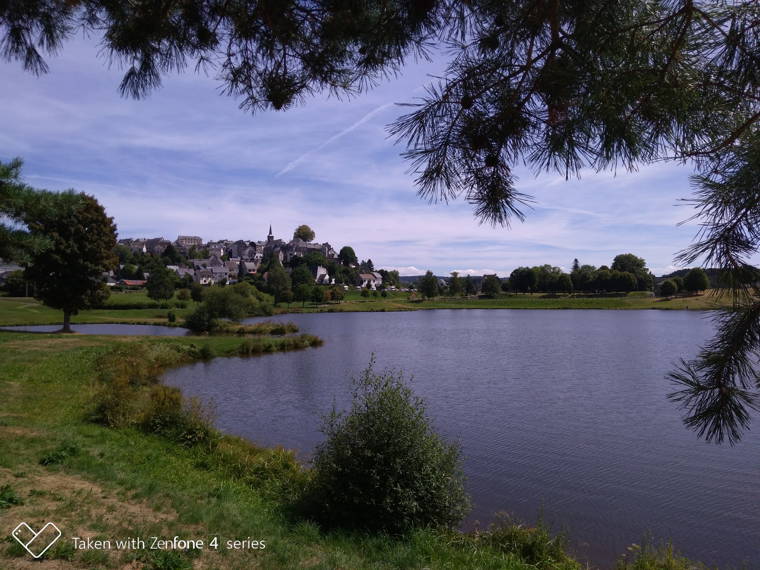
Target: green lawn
{"points": [[27, 311], [400, 301]]}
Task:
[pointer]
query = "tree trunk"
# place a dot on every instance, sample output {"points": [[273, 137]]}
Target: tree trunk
{"points": [[66, 322]]}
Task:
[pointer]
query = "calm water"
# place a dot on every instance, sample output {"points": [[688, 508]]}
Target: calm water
{"points": [[120, 329], [560, 412]]}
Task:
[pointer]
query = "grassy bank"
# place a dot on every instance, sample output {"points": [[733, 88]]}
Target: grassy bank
{"points": [[57, 464], [27, 311], [398, 301]]}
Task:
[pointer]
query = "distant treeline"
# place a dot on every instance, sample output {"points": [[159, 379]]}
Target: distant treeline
{"points": [[627, 273]]}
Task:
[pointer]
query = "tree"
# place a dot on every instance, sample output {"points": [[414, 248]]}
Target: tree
{"points": [[668, 288], [390, 278], [491, 285], [455, 284], [317, 294], [696, 280], [428, 285], [16, 242], [576, 266], [304, 232], [160, 284], [314, 259], [278, 280], [628, 262], [382, 467], [301, 276], [679, 283], [242, 271], [347, 256], [337, 293], [302, 293], [564, 284], [68, 273], [171, 255], [196, 292], [524, 279], [469, 286]]}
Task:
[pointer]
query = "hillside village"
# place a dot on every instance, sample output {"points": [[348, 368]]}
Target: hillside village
{"points": [[228, 261]]}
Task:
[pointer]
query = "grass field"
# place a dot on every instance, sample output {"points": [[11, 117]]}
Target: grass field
{"points": [[400, 301], [27, 311]]}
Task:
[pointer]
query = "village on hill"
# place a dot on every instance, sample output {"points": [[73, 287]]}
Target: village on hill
{"points": [[227, 262]]}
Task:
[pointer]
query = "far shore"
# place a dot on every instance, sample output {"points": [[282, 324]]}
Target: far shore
{"points": [[20, 311]]}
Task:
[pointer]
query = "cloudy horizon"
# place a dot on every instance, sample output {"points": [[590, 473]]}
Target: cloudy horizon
{"points": [[186, 160]]}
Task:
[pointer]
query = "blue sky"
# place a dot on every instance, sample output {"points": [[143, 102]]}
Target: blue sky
{"points": [[186, 160]]}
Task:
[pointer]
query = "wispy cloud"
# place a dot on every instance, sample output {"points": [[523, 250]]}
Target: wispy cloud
{"points": [[292, 164]]}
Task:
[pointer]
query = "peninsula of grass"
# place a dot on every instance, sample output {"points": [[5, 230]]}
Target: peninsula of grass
{"points": [[59, 462]]}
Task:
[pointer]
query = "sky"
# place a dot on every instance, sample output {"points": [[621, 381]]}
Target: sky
{"points": [[187, 160]]}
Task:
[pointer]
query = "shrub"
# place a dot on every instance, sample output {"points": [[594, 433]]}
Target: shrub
{"points": [[183, 294], [186, 422], [365, 292], [196, 292], [384, 293], [171, 317], [535, 546], [201, 320], [668, 288], [382, 467], [116, 403]]}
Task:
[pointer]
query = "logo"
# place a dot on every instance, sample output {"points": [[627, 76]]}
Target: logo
{"points": [[36, 543]]}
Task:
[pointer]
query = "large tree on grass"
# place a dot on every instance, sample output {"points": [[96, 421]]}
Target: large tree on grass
{"points": [[68, 273], [560, 86]]}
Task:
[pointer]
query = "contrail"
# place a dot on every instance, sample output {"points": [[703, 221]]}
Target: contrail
{"points": [[293, 163]]}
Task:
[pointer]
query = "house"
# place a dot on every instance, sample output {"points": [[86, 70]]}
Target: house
{"points": [[323, 277], [133, 283], [156, 246], [217, 248], [204, 277], [181, 271], [184, 243], [371, 280]]}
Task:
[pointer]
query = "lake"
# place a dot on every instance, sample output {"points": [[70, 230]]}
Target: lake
{"points": [[561, 414]]}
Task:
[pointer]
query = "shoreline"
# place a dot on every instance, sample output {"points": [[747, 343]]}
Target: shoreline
{"points": [[25, 311]]}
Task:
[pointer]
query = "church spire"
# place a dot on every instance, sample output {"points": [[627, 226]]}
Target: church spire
{"points": [[270, 236]]}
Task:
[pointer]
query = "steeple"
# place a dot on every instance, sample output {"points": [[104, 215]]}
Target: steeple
{"points": [[270, 236]]}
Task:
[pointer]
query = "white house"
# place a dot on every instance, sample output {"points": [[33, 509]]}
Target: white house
{"points": [[371, 280]]}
